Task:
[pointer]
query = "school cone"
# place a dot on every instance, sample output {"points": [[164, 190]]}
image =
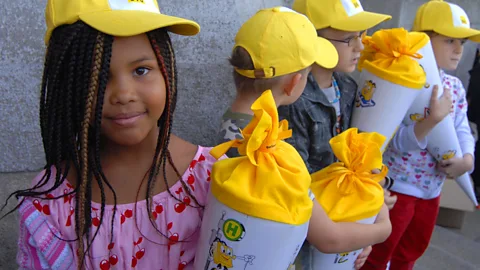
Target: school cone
{"points": [[348, 191], [258, 207], [442, 140], [390, 81]]}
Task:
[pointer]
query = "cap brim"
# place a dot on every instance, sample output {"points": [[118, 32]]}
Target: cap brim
{"points": [[129, 23], [361, 21], [327, 55], [475, 38], [459, 32]]}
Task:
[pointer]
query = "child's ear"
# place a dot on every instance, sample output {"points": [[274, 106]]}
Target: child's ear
{"points": [[292, 82]]}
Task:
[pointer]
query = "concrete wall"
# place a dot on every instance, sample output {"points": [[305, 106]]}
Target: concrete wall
{"points": [[205, 87]]}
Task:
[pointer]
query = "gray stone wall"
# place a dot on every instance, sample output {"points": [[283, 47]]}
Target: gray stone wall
{"points": [[205, 86]]}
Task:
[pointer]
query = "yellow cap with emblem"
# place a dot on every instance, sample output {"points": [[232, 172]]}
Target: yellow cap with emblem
{"points": [[115, 17], [345, 15], [445, 19], [281, 41]]}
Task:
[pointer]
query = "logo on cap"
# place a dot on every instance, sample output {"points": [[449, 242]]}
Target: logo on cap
{"points": [[460, 18], [140, 5], [355, 3], [352, 7]]}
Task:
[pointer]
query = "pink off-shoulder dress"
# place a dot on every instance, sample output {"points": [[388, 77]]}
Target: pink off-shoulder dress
{"points": [[47, 228]]}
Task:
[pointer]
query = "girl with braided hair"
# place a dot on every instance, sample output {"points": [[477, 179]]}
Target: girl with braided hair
{"points": [[118, 189]]}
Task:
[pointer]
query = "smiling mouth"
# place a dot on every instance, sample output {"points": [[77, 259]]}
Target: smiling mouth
{"points": [[127, 119]]}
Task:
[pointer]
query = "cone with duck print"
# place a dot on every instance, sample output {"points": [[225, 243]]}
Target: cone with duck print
{"points": [[390, 80], [442, 141], [259, 207]]}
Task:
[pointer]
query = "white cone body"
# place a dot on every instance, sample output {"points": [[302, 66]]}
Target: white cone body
{"points": [[238, 241], [420, 107], [380, 105], [442, 139], [341, 261]]}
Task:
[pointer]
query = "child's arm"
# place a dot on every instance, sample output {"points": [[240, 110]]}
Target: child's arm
{"points": [[455, 167], [298, 121], [330, 237], [39, 245], [413, 137]]}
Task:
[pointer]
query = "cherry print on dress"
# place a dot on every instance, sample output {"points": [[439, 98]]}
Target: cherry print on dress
{"points": [[173, 239], [69, 218], [139, 254], [191, 181], [68, 198], [157, 210], [127, 214], [182, 264], [208, 179], [181, 206], [96, 219], [43, 208], [112, 259]]}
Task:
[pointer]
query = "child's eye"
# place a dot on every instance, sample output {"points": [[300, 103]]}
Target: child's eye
{"points": [[450, 41], [141, 71]]}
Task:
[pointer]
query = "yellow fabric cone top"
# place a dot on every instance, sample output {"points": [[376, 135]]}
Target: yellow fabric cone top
{"points": [[269, 180], [348, 190], [389, 54]]}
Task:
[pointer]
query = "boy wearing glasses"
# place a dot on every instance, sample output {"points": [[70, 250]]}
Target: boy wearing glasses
{"points": [[325, 107]]}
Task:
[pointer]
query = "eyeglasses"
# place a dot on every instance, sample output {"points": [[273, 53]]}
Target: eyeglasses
{"points": [[350, 41]]}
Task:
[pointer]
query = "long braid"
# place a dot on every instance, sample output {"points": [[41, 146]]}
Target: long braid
{"points": [[161, 140], [98, 172], [173, 82], [83, 209]]}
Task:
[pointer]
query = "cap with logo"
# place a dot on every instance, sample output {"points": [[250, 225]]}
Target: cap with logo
{"points": [[281, 41], [345, 15], [115, 17], [445, 19]]}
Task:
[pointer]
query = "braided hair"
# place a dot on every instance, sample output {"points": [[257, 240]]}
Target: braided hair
{"points": [[75, 77]]}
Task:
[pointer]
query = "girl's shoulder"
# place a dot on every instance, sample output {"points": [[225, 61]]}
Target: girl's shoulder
{"points": [[53, 181], [185, 154]]}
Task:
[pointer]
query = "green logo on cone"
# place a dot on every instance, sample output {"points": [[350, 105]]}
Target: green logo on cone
{"points": [[233, 230]]}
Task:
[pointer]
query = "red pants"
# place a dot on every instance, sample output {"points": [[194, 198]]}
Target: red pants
{"points": [[413, 221]]}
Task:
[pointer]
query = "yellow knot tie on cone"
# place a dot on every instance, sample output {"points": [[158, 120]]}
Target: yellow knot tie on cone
{"points": [[348, 190], [389, 54], [269, 180]]}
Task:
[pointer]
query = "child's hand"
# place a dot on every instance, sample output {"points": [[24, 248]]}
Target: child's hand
{"points": [[389, 199], [440, 107], [456, 166], [362, 258], [383, 220]]}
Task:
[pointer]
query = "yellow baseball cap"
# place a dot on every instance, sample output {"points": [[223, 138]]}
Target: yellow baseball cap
{"points": [[282, 41], [115, 17], [345, 15], [445, 19]]}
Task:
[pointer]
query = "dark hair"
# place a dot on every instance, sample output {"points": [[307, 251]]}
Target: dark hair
{"points": [[75, 77], [241, 59]]}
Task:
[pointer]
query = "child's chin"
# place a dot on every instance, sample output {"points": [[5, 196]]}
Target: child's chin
{"points": [[451, 67], [346, 69]]}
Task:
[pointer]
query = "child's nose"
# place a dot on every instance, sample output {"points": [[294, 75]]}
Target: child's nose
{"points": [[458, 47], [122, 91], [358, 45]]}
